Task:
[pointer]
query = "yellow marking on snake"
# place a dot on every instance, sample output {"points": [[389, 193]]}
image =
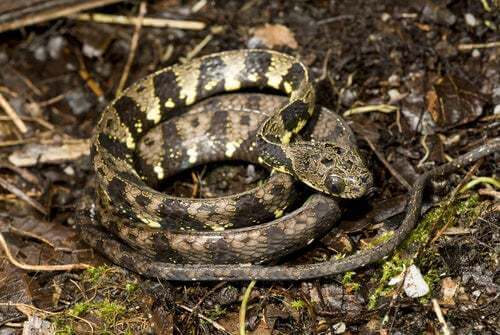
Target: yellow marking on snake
{"points": [[170, 103], [187, 77], [278, 213], [277, 70], [231, 148], [286, 137], [210, 85], [130, 141], [234, 66]]}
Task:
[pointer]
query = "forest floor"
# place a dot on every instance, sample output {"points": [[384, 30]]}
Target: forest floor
{"points": [[418, 82]]}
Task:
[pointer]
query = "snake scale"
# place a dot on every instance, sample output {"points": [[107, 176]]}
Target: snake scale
{"points": [[165, 234]]}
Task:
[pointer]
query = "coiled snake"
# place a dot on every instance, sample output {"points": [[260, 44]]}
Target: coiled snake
{"points": [[158, 229]]}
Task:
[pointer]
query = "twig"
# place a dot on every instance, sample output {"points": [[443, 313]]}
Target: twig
{"points": [[23, 196], [196, 50], [28, 234], [471, 46], [38, 120], [30, 267], [388, 166], [243, 307], [205, 296], [198, 6], [439, 314], [13, 115], [480, 180], [147, 21], [37, 13], [452, 196], [426, 151], [215, 324], [16, 142], [85, 75], [384, 108], [133, 47]]}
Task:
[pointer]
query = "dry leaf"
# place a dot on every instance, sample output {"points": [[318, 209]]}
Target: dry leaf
{"points": [[275, 35], [448, 290], [454, 101]]}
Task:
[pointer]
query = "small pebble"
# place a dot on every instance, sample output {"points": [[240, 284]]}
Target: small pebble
{"points": [[414, 284], [339, 328], [395, 96], [78, 101], [69, 170], [40, 53], [496, 110], [347, 97], [393, 80], [385, 17], [3, 57], [91, 52], [55, 46], [476, 53], [470, 20]]}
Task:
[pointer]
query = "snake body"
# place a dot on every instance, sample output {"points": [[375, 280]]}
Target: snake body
{"points": [[150, 222], [238, 117]]}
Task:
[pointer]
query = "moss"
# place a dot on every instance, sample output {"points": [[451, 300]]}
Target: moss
{"points": [[216, 313], [131, 287], [349, 284], [109, 310], [298, 304], [379, 239], [94, 274], [447, 214], [79, 309], [63, 329]]}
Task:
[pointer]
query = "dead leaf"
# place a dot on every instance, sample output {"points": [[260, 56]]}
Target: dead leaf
{"points": [[448, 290], [275, 35], [454, 101], [15, 289]]}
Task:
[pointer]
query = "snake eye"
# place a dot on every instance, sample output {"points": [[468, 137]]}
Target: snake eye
{"points": [[334, 184]]}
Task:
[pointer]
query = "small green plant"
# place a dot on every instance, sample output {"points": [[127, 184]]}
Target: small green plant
{"points": [[298, 304], [95, 273]]}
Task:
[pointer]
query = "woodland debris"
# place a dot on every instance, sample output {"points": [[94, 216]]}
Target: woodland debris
{"points": [[20, 13], [33, 154], [273, 35]]}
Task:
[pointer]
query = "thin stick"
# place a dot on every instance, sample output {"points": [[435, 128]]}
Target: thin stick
{"points": [[215, 324], [13, 115], [199, 47], [148, 21], [427, 152], [29, 267], [45, 15], [471, 46], [23, 196], [133, 47], [388, 166], [384, 108], [439, 314], [243, 307]]}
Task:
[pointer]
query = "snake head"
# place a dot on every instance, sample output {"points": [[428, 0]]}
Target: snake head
{"points": [[333, 169]]}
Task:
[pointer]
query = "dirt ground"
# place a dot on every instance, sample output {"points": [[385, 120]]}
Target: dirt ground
{"points": [[418, 82]]}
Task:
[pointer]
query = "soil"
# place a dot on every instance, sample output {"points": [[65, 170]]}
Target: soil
{"points": [[418, 82]]}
